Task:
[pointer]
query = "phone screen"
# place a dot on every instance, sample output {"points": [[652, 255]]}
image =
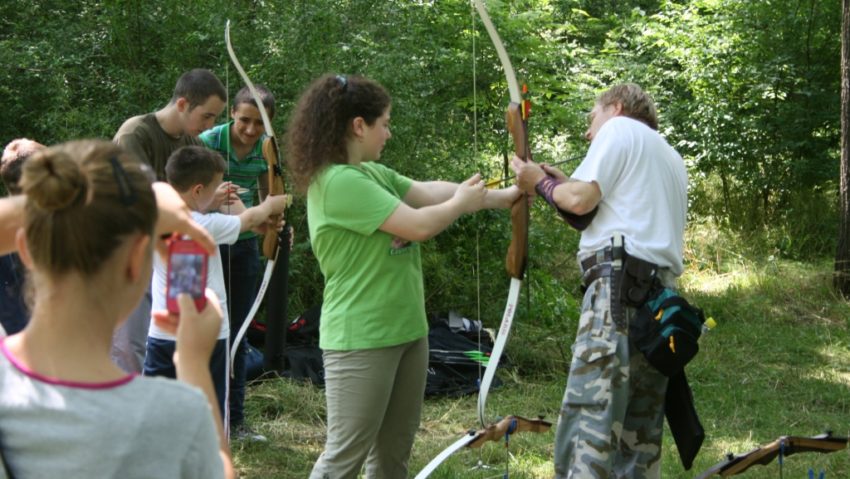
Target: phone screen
{"points": [[187, 273]]}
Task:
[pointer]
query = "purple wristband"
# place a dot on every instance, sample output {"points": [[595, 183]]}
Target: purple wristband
{"points": [[546, 189]]}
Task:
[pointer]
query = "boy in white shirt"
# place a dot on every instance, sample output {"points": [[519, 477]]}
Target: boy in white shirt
{"points": [[196, 172]]}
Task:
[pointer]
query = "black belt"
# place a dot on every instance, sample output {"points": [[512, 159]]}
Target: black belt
{"points": [[599, 265]]}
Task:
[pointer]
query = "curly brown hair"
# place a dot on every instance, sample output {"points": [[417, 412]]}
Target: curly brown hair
{"points": [[318, 130]]}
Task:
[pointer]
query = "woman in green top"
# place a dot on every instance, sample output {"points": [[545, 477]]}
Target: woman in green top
{"points": [[365, 222]]}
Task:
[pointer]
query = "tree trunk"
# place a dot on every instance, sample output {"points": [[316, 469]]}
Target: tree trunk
{"points": [[841, 280], [727, 210]]}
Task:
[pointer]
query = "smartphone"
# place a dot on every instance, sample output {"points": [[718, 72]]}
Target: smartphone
{"points": [[187, 273]]}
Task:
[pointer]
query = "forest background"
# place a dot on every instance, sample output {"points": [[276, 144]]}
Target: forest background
{"points": [[748, 92]]}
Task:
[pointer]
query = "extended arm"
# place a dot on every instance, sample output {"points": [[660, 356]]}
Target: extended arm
{"points": [[572, 196], [502, 198], [577, 197], [11, 218], [173, 216], [429, 193], [254, 217], [420, 224]]}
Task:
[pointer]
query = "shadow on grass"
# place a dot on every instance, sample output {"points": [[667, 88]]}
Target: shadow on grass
{"points": [[778, 363]]}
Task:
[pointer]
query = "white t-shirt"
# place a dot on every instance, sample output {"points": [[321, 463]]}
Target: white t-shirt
{"points": [[133, 428], [225, 230], [644, 187]]}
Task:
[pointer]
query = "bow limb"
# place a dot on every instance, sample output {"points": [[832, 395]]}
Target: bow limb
{"points": [[267, 124], [506, 427], [271, 151], [516, 118], [445, 454], [271, 242], [494, 432], [498, 348], [510, 76], [785, 445], [261, 292], [515, 262]]}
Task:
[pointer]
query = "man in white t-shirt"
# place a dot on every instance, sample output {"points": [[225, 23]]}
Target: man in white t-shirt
{"points": [[196, 173], [635, 183]]}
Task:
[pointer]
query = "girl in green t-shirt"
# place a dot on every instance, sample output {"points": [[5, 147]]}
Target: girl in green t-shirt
{"points": [[365, 222]]}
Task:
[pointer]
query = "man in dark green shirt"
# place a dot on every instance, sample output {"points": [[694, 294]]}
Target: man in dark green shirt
{"points": [[198, 99]]}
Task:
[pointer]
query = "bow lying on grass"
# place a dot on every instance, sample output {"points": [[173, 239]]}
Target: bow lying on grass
{"points": [[494, 432], [784, 446]]}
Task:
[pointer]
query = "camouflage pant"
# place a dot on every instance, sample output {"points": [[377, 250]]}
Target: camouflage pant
{"points": [[612, 415]]}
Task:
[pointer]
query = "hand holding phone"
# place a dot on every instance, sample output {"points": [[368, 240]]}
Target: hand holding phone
{"points": [[187, 273]]}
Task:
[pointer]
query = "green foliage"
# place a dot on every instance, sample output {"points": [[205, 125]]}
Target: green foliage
{"points": [[747, 91], [760, 109]]}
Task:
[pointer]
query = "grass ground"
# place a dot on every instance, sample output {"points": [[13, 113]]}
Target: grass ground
{"points": [[778, 363]]}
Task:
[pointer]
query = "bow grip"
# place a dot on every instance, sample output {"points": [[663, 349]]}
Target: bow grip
{"points": [[517, 128], [517, 256], [276, 187]]}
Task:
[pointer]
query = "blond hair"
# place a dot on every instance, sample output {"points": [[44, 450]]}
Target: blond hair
{"points": [[636, 103]]}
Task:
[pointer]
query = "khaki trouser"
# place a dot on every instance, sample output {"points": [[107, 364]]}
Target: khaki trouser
{"points": [[374, 399]]}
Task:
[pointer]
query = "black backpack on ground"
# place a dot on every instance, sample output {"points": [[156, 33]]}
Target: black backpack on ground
{"points": [[303, 356], [456, 363]]}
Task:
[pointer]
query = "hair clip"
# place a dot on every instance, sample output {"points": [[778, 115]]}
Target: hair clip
{"points": [[125, 191], [342, 81], [148, 172]]}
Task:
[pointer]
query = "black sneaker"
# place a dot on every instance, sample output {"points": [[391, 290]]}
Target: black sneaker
{"points": [[243, 432]]}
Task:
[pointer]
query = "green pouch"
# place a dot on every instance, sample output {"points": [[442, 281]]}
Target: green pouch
{"points": [[666, 329]]}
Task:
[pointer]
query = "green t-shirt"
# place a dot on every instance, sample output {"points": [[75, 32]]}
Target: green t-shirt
{"points": [[242, 172], [143, 137], [374, 296]]}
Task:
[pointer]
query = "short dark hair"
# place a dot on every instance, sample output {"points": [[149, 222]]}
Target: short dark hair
{"points": [[193, 165], [244, 96], [197, 86]]}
